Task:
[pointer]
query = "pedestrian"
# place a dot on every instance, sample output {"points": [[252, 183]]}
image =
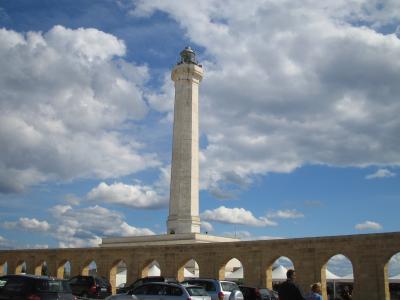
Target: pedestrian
{"points": [[316, 292], [289, 290]]}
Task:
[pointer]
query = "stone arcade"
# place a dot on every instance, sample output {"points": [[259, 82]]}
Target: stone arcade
{"points": [[369, 253]]}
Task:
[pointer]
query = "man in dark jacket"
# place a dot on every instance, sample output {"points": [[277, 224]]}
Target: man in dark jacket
{"points": [[288, 290]]}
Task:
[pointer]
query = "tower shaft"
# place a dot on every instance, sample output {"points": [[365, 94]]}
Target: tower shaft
{"points": [[184, 190]]}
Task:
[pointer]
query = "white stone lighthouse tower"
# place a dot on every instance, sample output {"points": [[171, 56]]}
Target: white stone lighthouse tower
{"points": [[184, 191], [183, 225]]}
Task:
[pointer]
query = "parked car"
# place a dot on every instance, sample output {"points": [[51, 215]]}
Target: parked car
{"points": [[90, 287], [163, 291], [218, 289], [140, 281], [253, 293], [22, 287]]}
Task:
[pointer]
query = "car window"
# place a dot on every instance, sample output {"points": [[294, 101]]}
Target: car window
{"points": [[141, 290], [50, 286], [264, 292], [196, 291], [207, 285], [173, 291], [14, 284], [3, 282], [155, 289], [228, 286]]}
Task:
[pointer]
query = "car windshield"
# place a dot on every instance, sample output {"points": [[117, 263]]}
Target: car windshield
{"points": [[51, 286], [228, 286], [196, 291]]}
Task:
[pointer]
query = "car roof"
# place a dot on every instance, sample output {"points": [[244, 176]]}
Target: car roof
{"points": [[200, 279], [161, 283], [30, 276]]}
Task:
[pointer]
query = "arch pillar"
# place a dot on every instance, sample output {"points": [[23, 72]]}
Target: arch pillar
{"points": [[207, 266], [133, 272], [306, 269], [369, 278], [252, 264], [168, 265]]}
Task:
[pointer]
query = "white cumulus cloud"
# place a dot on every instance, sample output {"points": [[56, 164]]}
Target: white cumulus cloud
{"points": [[286, 214], [137, 196], [368, 225], [288, 84], [65, 96], [381, 173], [134, 195], [28, 224], [242, 216], [79, 227]]}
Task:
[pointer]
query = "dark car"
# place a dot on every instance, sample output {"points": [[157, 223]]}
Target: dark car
{"points": [[23, 287], [143, 280], [253, 293], [93, 287]]}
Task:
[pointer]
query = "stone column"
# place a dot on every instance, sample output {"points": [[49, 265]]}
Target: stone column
{"points": [[184, 192]]}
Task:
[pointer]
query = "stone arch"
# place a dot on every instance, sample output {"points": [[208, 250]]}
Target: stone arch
{"points": [[151, 268], [189, 269], [41, 269], [90, 268], [337, 273], [232, 269], [276, 269], [4, 268], [118, 274], [64, 269], [392, 276], [21, 267]]}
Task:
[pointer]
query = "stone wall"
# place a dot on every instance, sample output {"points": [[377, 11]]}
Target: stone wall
{"points": [[369, 255]]}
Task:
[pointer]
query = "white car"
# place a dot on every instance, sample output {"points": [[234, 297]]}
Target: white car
{"points": [[163, 291]]}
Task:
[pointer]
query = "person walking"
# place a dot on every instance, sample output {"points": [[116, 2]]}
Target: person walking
{"points": [[289, 290], [316, 292]]}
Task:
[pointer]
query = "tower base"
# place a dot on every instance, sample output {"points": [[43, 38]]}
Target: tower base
{"points": [[164, 239]]}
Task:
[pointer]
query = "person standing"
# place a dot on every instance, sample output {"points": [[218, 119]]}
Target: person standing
{"points": [[289, 290], [315, 292]]}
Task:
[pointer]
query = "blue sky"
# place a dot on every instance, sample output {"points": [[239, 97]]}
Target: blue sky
{"points": [[298, 118]]}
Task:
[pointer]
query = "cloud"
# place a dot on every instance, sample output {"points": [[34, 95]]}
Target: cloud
{"points": [[394, 265], [66, 95], [4, 243], [294, 84], [340, 265], [206, 226], [242, 216], [286, 214], [28, 225], [137, 195], [368, 225], [381, 173], [80, 227]]}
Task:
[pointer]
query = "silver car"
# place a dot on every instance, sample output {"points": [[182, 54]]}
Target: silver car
{"points": [[218, 289], [164, 291]]}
